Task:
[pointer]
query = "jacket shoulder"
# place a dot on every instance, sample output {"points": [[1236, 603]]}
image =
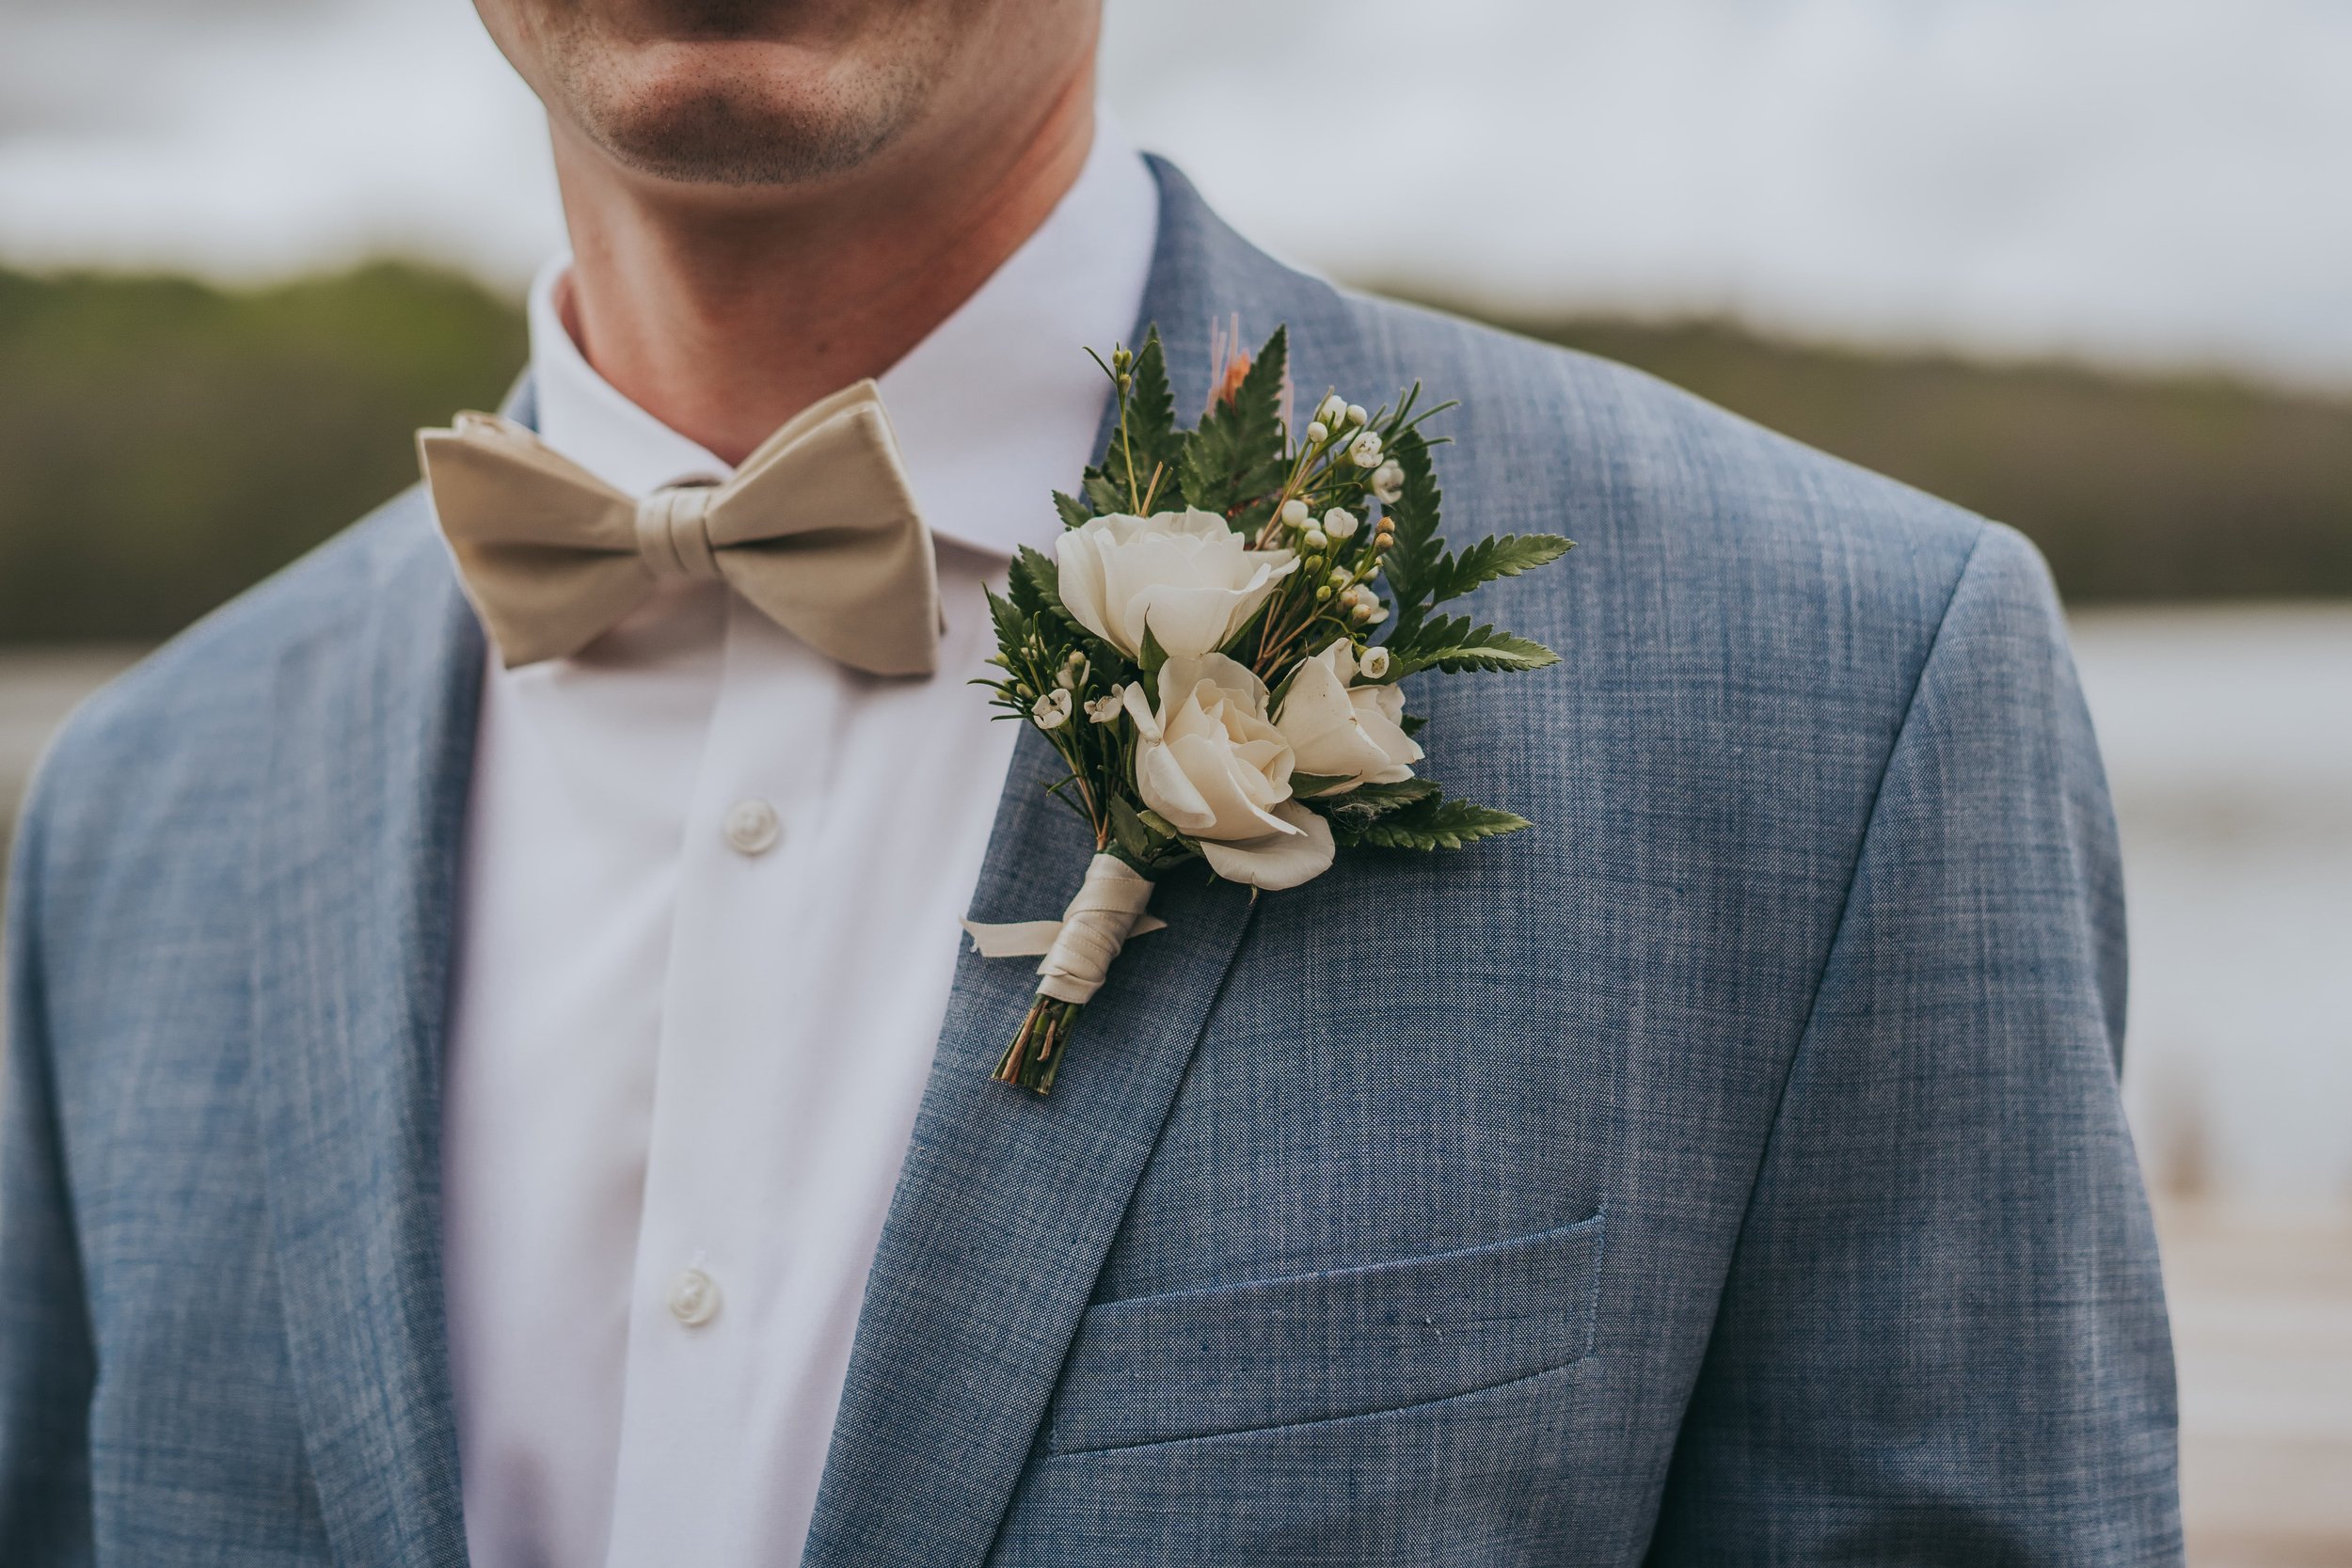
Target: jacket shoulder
{"points": [[181, 721]]}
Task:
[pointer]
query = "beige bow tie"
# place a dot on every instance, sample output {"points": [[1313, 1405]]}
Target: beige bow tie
{"points": [[818, 529]]}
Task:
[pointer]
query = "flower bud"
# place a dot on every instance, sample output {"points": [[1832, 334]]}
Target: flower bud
{"points": [[1339, 578], [1339, 523], [1318, 433], [1323, 594], [1295, 513], [1333, 410], [1356, 414], [1314, 540]]}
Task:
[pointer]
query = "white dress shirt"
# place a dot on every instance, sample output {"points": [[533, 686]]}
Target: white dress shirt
{"points": [[709, 921]]}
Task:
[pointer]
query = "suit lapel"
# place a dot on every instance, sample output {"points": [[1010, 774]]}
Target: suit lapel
{"points": [[361, 813], [1007, 1204]]}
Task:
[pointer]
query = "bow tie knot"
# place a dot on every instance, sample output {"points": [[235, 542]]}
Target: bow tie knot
{"points": [[673, 532], [818, 529]]}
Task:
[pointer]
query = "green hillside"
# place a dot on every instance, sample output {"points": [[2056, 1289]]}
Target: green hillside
{"points": [[2178, 487], [163, 444]]}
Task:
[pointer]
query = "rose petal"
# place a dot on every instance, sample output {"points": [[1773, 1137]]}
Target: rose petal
{"points": [[1276, 860], [1080, 565]]}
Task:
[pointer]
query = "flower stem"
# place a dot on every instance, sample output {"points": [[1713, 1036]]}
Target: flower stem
{"points": [[1033, 1058]]}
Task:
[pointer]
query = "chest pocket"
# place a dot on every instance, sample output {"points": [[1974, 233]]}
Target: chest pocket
{"points": [[1317, 1347]]}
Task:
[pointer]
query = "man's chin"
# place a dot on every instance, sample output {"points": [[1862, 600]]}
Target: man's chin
{"points": [[739, 111]]}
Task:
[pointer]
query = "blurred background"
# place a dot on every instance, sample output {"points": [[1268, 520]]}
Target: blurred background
{"points": [[2083, 265]]}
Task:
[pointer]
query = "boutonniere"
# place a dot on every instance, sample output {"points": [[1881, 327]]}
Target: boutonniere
{"points": [[1214, 648]]}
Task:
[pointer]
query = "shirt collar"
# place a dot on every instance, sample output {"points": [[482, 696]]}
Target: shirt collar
{"points": [[995, 408]]}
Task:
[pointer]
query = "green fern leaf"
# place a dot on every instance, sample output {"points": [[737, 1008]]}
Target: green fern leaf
{"points": [[1367, 801], [1232, 462], [1410, 560], [1501, 555], [1438, 824], [1451, 643]]}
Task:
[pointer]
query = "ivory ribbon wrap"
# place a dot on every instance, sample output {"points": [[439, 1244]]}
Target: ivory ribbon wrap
{"points": [[1079, 946]]}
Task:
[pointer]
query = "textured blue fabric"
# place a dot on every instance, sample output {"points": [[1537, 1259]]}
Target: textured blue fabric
{"points": [[1728, 1170]]}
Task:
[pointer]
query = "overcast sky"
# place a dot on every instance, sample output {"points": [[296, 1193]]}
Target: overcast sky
{"points": [[2133, 179]]}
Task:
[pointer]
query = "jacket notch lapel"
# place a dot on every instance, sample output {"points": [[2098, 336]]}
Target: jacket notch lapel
{"points": [[1008, 1203], [354, 898]]}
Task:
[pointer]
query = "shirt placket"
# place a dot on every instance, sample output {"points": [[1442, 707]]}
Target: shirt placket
{"points": [[712, 1266]]}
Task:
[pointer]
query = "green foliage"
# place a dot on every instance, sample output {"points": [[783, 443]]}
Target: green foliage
{"points": [[1362, 805], [1412, 561], [1308, 785], [1035, 581], [1451, 643], [1435, 823], [1233, 461], [1138, 473], [1501, 555], [1146, 840], [1013, 625], [1148, 433], [1422, 573]]}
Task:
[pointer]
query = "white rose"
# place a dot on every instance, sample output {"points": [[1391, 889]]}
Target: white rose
{"points": [[1192, 579], [1210, 762], [1344, 731]]}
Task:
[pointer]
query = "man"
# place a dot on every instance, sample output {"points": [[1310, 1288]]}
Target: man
{"points": [[535, 1107]]}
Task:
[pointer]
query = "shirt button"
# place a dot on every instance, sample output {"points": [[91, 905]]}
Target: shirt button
{"points": [[693, 1298], [751, 827]]}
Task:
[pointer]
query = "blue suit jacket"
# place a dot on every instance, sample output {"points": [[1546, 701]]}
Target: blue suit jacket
{"points": [[1728, 1170]]}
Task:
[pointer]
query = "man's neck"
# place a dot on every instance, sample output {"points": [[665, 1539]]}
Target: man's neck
{"points": [[724, 314]]}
